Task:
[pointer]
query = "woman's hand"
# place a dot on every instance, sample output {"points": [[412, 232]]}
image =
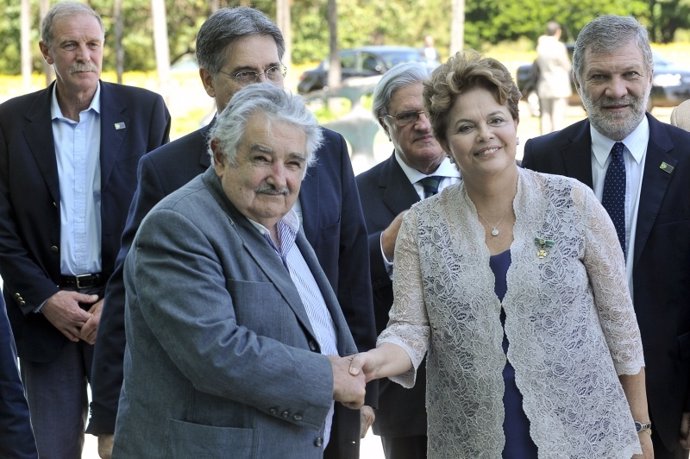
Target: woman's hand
{"points": [[647, 448]]}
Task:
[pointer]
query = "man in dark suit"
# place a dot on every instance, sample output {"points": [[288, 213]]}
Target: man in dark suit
{"points": [[68, 157], [16, 437], [237, 47], [640, 169], [417, 168]]}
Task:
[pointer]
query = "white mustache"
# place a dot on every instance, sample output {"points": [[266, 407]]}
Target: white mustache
{"points": [[271, 190], [76, 68]]}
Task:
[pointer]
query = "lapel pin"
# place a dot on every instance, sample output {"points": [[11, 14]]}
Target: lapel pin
{"points": [[121, 125], [666, 167]]}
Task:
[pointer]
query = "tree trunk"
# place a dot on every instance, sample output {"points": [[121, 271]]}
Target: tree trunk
{"points": [[160, 39], [284, 23], [333, 60], [457, 27], [119, 49], [25, 39], [47, 68]]}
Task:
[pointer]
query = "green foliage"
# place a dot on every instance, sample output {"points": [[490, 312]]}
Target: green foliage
{"points": [[361, 22]]}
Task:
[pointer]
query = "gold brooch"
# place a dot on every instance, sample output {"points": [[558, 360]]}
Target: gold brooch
{"points": [[542, 246]]}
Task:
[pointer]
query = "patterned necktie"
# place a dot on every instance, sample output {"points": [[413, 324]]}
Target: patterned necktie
{"points": [[613, 198], [430, 185]]}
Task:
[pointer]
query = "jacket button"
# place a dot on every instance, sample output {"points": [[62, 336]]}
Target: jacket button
{"points": [[55, 204], [272, 411], [54, 248], [297, 417], [318, 442], [285, 414], [312, 345]]}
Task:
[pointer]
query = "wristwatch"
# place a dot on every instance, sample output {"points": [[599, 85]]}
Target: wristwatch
{"points": [[642, 426]]}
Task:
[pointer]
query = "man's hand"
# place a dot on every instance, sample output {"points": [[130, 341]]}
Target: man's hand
{"points": [[90, 329], [105, 446], [389, 235], [366, 419], [63, 311], [685, 430], [347, 389]]}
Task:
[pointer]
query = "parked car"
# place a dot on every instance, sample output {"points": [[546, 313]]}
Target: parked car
{"points": [[366, 61], [670, 85]]}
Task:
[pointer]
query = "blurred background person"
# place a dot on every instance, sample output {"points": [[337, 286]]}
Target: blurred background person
{"points": [[513, 284], [430, 53], [680, 115], [418, 168], [639, 168], [553, 85]]}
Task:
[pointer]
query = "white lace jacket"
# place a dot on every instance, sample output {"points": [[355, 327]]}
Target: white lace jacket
{"points": [[569, 320]]}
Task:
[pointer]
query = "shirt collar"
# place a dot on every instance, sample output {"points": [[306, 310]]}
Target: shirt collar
{"points": [[287, 226], [56, 113], [636, 143], [445, 169]]}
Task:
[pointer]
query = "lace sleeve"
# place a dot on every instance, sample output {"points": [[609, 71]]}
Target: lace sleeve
{"points": [[603, 259], [408, 325]]}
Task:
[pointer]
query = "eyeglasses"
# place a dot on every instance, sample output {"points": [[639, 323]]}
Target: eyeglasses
{"points": [[273, 73], [404, 118]]}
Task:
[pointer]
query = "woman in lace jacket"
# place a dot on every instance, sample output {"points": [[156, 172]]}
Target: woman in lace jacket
{"points": [[514, 284]]}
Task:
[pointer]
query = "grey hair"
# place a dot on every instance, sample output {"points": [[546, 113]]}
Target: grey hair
{"points": [[227, 25], [63, 9], [605, 35], [277, 104], [400, 76]]}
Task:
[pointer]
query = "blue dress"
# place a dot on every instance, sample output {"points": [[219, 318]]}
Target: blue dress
{"points": [[519, 444]]}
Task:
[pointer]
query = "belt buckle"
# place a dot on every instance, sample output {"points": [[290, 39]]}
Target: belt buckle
{"points": [[79, 278]]}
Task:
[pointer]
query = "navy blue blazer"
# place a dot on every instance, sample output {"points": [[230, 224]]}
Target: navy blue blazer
{"points": [[16, 436], [133, 121], [386, 191], [661, 263], [333, 224]]}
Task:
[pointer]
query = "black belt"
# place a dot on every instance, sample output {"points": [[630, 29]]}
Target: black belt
{"points": [[81, 281]]}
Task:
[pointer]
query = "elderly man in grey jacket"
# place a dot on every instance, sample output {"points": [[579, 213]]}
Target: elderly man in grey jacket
{"points": [[234, 335]]}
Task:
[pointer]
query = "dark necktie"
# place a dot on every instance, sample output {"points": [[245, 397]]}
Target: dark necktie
{"points": [[613, 198], [430, 185]]}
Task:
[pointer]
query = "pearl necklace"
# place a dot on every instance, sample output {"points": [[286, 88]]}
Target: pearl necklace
{"points": [[495, 232]]}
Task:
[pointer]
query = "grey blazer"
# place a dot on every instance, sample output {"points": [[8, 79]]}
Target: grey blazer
{"points": [[221, 360]]}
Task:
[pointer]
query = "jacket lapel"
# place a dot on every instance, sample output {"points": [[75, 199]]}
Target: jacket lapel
{"points": [[577, 156], [114, 125], [655, 180], [398, 193], [41, 145]]}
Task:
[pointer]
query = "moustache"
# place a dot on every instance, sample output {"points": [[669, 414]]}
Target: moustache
{"points": [[78, 68], [272, 190]]}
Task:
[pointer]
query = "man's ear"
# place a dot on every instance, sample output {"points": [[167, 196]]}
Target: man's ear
{"points": [[207, 80], [45, 51]]}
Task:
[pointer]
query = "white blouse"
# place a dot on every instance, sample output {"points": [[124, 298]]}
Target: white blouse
{"points": [[568, 317]]}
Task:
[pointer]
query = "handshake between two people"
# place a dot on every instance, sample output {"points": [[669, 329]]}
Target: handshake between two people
{"points": [[351, 373]]}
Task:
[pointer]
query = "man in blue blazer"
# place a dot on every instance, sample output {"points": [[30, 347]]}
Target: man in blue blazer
{"points": [[237, 47], [613, 73], [68, 157], [236, 345], [387, 190], [16, 437]]}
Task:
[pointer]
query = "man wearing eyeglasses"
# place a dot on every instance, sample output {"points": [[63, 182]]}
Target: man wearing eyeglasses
{"points": [[418, 168], [237, 47]]}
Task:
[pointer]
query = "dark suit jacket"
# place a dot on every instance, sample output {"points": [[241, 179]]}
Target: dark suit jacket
{"points": [[333, 224], [16, 437], [30, 198], [661, 263], [386, 191], [248, 379]]}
